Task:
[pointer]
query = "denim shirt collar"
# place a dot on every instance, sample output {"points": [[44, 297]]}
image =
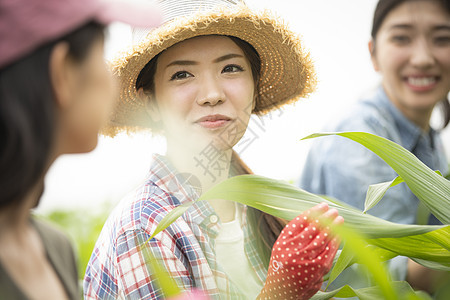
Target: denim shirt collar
{"points": [[410, 133]]}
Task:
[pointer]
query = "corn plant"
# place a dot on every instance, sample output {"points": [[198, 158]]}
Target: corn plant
{"points": [[368, 240]]}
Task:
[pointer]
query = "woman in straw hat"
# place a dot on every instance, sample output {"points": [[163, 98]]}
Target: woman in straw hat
{"points": [[197, 79], [55, 94]]}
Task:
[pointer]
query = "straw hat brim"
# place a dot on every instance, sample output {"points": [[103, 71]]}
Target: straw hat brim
{"points": [[287, 72]]}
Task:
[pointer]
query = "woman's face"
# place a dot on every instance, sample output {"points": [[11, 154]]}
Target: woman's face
{"points": [[412, 53], [204, 92], [91, 101]]}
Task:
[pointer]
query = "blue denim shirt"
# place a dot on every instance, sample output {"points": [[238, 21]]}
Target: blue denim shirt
{"points": [[343, 169]]}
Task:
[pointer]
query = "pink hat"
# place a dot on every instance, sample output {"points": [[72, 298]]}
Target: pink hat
{"points": [[27, 24]]}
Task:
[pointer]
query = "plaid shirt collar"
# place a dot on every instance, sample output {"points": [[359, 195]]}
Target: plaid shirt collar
{"points": [[163, 174]]}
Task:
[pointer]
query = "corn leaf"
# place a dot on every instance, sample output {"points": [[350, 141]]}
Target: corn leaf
{"points": [[433, 190], [286, 201], [372, 293], [423, 214], [170, 218], [432, 265], [167, 284], [375, 192], [355, 241], [163, 279], [436, 243], [346, 258]]}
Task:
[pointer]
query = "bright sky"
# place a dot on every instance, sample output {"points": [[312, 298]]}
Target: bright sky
{"points": [[335, 32]]}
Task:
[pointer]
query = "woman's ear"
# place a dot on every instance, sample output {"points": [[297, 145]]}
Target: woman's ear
{"points": [[373, 56], [62, 68], [151, 107]]}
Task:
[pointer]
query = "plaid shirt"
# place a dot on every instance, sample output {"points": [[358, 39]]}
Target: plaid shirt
{"points": [[117, 268]]}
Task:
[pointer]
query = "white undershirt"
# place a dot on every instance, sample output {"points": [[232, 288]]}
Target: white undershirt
{"points": [[231, 256]]}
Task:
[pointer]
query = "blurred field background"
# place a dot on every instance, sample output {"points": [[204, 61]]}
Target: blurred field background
{"points": [[81, 190]]}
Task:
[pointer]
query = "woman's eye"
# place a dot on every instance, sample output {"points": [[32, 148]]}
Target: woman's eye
{"points": [[180, 75], [400, 39], [442, 40], [232, 69]]}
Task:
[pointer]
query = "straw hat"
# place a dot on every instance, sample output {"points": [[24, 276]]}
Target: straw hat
{"points": [[287, 72]]}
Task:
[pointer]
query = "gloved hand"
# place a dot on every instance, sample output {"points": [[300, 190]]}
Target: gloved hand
{"points": [[302, 255]]}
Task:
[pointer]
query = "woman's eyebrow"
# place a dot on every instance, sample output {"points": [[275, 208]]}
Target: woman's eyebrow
{"points": [[227, 56], [182, 63], [410, 26], [442, 27], [401, 26], [192, 63]]}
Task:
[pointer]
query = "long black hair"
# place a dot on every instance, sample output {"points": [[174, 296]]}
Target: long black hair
{"points": [[381, 11], [27, 114]]}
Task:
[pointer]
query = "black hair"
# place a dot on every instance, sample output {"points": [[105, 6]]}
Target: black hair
{"points": [[27, 114], [384, 7], [381, 11]]}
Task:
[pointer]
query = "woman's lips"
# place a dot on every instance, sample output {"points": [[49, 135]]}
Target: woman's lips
{"points": [[214, 121], [421, 83]]}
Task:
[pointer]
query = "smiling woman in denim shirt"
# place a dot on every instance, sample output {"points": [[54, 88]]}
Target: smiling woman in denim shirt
{"points": [[410, 49]]}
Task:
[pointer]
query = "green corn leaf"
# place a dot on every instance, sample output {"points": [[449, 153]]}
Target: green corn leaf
{"points": [[163, 279], [355, 242], [373, 293], [432, 265], [170, 218], [376, 192], [436, 245], [346, 258], [433, 190], [167, 284], [423, 214], [286, 201]]}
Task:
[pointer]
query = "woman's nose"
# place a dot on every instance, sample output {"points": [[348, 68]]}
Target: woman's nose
{"points": [[211, 92], [422, 55]]}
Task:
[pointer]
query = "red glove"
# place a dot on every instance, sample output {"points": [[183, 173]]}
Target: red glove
{"points": [[301, 256]]}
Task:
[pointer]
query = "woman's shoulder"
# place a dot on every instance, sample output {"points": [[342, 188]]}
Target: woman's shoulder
{"points": [[51, 234], [141, 209], [61, 253], [367, 114]]}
